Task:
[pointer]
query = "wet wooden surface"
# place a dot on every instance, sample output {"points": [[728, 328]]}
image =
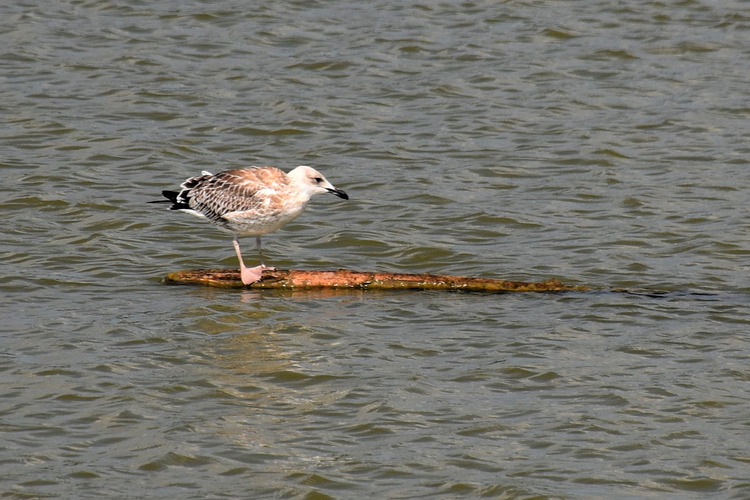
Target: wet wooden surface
{"points": [[346, 279]]}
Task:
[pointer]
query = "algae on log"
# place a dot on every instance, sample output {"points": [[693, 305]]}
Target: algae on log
{"points": [[345, 279]]}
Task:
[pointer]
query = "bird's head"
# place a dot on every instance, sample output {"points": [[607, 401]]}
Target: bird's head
{"points": [[310, 180]]}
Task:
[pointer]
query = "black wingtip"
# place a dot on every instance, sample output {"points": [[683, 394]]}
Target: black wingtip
{"points": [[171, 197]]}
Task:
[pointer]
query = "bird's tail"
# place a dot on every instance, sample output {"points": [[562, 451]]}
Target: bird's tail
{"points": [[171, 197]]}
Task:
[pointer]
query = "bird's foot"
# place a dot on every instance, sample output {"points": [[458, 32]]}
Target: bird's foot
{"points": [[251, 274]]}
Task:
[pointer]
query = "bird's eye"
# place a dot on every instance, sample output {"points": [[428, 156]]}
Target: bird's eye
{"points": [[318, 180]]}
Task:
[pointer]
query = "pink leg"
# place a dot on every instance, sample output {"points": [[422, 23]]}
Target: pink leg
{"points": [[249, 274]]}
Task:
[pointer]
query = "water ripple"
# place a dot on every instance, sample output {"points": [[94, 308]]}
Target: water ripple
{"points": [[600, 144]]}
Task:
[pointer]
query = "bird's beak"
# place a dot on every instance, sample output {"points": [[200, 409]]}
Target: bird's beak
{"points": [[339, 193]]}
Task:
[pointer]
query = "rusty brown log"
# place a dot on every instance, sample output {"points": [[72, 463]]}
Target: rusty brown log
{"points": [[344, 279]]}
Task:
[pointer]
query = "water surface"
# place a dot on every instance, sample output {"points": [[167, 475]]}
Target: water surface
{"points": [[603, 145]]}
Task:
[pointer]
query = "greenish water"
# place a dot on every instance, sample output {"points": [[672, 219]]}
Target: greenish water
{"points": [[600, 144]]}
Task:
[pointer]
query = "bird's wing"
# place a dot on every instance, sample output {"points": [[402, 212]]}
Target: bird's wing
{"points": [[239, 190]]}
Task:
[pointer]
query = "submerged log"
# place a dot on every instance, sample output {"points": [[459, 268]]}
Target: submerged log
{"points": [[345, 279]]}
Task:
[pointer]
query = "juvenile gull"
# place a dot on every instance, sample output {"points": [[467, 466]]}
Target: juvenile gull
{"points": [[250, 202]]}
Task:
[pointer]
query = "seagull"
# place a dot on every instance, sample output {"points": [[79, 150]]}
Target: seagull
{"points": [[250, 201]]}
